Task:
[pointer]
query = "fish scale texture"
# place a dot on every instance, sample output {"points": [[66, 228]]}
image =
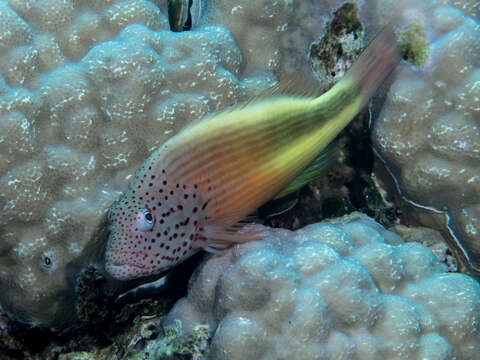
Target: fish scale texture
{"points": [[89, 89], [346, 289]]}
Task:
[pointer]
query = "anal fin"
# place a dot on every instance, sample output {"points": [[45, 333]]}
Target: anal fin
{"points": [[315, 170]]}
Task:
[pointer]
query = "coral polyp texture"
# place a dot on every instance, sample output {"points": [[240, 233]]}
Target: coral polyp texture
{"points": [[428, 131], [346, 289]]}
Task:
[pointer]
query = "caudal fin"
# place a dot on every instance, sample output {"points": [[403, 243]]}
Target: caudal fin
{"points": [[375, 63]]}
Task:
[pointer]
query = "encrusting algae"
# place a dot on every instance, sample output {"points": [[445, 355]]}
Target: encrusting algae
{"points": [[193, 193]]}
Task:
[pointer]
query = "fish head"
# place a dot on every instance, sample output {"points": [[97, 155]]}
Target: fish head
{"points": [[132, 229], [152, 226]]}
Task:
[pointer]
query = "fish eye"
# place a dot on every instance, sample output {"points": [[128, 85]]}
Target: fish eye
{"points": [[149, 217], [145, 220]]}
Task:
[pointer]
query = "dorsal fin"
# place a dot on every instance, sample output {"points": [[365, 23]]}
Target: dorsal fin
{"points": [[294, 84]]}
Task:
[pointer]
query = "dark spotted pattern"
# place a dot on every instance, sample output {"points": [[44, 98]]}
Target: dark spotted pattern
{"points": [[176, 231]]}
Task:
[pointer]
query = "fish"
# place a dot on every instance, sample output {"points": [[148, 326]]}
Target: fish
{"points": [[183, 15], [197, 190]]}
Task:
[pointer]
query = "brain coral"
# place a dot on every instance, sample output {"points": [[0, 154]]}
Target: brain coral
{"points": [[88, 89], [347, 289], [428, 131]]}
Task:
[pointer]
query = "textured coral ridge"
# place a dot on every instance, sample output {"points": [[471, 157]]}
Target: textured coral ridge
{"points": [[428, 131], [87, 90], [347, 289]]}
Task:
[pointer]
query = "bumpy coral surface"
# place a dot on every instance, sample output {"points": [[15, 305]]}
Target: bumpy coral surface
{"points": [[347, 289], [88, 89], [428, 131]]}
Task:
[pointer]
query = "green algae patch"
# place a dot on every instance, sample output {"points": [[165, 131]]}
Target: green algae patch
{"points": [[413, 43]]}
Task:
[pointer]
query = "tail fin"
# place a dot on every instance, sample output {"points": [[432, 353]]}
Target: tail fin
{"points": [[375, 63], [339, 105]]}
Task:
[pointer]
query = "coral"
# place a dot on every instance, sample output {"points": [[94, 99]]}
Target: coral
{"points": [[342, 289], [88, 89], [427, 131], [429, 238]]}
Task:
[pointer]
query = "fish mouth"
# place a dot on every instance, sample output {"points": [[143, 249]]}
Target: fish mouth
{"points": [[125, 271]]}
